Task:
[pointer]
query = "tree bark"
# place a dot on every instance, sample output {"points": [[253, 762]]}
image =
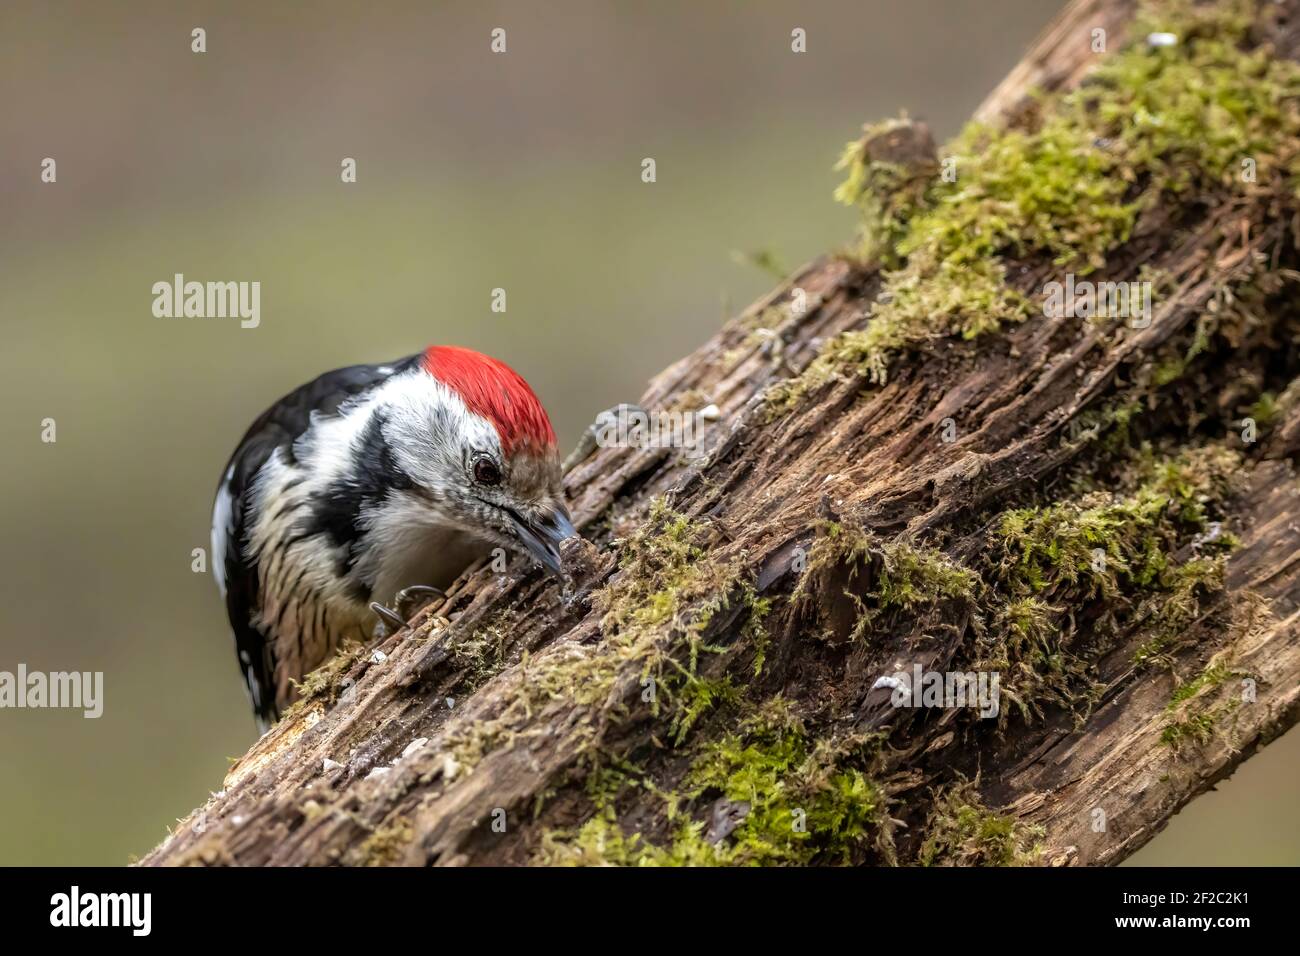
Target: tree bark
{"points": [[747, 596]]}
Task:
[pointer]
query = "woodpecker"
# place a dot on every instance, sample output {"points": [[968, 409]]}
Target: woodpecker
{"points": [[375, 485]]}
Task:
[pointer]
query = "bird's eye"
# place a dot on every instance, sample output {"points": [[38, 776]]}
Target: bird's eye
{"points": [[486, 472]]}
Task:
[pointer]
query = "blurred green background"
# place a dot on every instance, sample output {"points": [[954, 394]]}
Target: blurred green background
{"points": [[475, 171]]}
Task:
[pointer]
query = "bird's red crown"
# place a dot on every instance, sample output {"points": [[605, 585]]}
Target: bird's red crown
{"points": [[497, 392]]}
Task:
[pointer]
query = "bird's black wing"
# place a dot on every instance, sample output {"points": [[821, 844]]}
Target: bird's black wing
{"points": [[232, 524]]}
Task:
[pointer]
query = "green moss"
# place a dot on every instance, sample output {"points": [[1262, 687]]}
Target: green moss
{"points": [[755, 630], [384, 846], [697, 697], [654, 613], [886, 193], [911, 575], [1115, 560], [670, 587], [1197, 729], [955, 299], [1027, 619], [1211, 677], [1153, 650], [1107, 427], [1105, 542], [598, 842], [1180, 604], [1097, 541], [1265, 410], [764, 260], [1169, 371], [905, 575], [1193, 721], [482, 653], [804, 802], [1190, 113], [1148, 123], [1024, 643], [660, 569], [322, 683], [961, 831], [1046, 563]]}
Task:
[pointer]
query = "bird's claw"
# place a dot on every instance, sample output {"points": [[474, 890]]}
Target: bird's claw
{"points": [[390, 622], [591, 438], [409, 602]]}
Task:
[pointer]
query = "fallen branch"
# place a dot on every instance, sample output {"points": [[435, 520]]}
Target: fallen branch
{"points": [[915, 468]]}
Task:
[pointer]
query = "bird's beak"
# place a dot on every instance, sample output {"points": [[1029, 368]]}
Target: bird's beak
{"points": [[541, 536]]}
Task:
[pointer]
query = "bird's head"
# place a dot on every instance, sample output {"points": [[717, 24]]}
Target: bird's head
{"points": [[477, 450]]}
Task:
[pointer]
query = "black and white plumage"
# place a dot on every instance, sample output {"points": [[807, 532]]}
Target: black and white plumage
{"points": [[368, 480]]}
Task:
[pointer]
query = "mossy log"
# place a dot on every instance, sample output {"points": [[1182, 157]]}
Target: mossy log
{"points": [[914, 464]]}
